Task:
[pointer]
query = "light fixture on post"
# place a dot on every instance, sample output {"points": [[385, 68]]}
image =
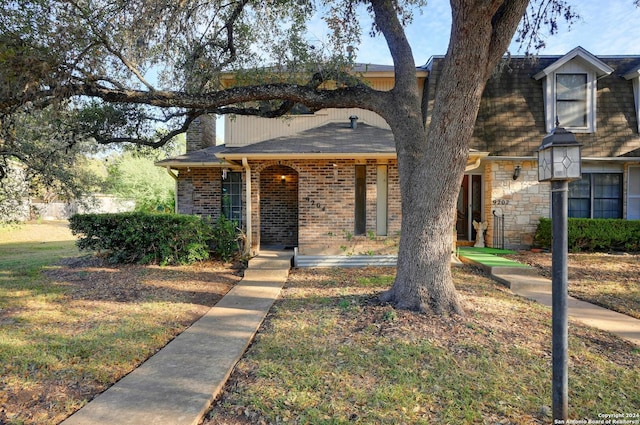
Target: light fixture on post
{"points": [[559, 162]]}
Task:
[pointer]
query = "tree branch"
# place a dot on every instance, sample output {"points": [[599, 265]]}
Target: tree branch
{"points": [[191, 116], [356, 96]]}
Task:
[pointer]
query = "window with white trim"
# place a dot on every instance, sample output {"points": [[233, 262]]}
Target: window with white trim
{"points": [[571, 100], [570, 86]]}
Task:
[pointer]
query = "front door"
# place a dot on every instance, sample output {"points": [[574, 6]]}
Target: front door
{"points": [[469, 206]]}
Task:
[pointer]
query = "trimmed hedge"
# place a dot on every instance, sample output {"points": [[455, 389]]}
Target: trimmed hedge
{"points": [[144, 238], [594, 234]]}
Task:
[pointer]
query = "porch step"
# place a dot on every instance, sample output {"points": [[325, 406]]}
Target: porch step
{"points": [[345, 260]]}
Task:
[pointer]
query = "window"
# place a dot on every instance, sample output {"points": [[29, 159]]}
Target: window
{"points": [[382, 199], [569, 87], [633, 189], [596, 195], [232, 197], [361, 200], [571, 100]]}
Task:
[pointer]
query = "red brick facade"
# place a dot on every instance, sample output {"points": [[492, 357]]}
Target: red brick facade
{"points": [[313, 209]]}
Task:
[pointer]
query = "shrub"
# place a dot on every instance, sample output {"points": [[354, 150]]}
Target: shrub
{"points": [[586, 234], [144, 238], [226, 238]]}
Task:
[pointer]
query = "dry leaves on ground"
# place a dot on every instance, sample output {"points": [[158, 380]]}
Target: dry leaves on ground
{"points": [[609, 280]]}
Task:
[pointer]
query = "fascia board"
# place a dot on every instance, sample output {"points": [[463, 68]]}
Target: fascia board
{"points": [[593, 62]]}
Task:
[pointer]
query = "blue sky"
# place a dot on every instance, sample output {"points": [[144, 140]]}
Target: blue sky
{"points": [[606, 27]]}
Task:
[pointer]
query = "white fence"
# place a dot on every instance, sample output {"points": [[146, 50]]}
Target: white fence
{"points": [[62, 211]]}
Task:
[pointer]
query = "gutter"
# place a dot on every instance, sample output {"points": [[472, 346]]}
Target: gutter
{"points": [[247, 169], [175, 188], [592, 159]]}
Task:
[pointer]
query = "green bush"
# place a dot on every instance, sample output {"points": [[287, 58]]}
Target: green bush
{"points": [[144, 238], [585, 234], [226, 238]]}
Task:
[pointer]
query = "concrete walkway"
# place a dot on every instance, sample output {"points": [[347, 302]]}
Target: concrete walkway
{"points": [[178, 384], [526, 282]]}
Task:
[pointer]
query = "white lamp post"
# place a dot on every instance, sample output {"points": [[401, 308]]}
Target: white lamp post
{"points": [[559, 163]]}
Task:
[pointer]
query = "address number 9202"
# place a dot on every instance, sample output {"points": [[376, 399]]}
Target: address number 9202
{"points": [[500, 202]]}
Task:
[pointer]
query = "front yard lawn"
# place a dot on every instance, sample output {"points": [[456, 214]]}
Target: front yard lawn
{"points": [[329, 353], [69, 330], [608, 280]]}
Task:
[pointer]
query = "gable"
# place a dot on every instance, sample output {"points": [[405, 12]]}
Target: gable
{"points": [[512, 119]]}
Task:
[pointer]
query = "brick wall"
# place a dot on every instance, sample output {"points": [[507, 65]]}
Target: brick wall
{"points": [[199, 192], [279, 206], [314, 209], [326, 196], [201, 133]]}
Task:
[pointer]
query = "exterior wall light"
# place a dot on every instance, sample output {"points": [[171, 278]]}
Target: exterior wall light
{"points": [[559, 162], [516, 172], [283, 179]]}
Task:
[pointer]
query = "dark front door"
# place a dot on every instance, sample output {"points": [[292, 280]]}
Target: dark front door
{"points": [[469, 206]]}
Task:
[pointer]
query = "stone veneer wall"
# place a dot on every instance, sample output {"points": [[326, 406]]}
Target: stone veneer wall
{"points": [[522, 201]]}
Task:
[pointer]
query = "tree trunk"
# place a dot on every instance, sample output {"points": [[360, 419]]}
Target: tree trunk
{"points": [[432, 160]]}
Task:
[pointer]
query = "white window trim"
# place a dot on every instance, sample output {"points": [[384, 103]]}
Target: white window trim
{"points": [[634, 76], [576, 61], [592, 87]]}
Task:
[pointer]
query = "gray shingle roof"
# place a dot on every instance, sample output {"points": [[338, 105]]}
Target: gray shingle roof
{"points": [[202, 157], [333, 138]]}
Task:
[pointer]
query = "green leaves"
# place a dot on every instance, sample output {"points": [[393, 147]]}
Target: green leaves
{"points": [[144, 238], [594, 234]]}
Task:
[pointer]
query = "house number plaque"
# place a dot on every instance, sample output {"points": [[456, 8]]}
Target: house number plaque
{"points": [[314, 203]]}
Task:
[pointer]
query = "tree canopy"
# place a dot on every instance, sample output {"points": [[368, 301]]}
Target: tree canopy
{"points": [[124, 68]]}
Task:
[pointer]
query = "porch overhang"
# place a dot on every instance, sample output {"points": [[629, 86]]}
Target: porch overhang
{"points": [[204, 158]]}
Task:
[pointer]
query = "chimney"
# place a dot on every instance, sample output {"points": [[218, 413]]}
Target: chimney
{"points": [[354, 121], [201, 133]]}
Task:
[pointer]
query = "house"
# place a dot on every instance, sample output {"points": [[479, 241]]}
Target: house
{"points": [[327, 183]]}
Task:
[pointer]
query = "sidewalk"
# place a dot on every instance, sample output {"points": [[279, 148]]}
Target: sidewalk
{"points": [[525, 281], [178, 384]]}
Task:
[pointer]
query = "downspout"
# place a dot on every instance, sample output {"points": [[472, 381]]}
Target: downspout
{"points": [[175, 189], [247, 169]]}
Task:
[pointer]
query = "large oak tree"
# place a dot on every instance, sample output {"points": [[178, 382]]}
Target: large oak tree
{"points": [[124, 66]]}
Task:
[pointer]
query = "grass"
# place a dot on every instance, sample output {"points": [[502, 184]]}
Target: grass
{"points": [[69, 332], [322, 363], [328, 352], [607, 280], [489, 257]]}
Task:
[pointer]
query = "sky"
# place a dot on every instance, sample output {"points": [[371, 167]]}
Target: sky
{"points": [[606, 27]]}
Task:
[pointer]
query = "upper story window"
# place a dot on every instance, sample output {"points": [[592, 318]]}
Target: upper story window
{"points": [[572, 101], [569, 89], [634, 76]]}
